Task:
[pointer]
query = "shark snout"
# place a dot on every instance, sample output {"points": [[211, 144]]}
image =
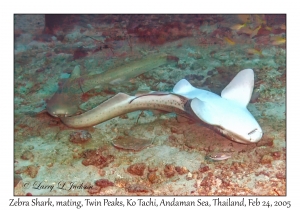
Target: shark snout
{"points": [[60, 112], [255, 135]]}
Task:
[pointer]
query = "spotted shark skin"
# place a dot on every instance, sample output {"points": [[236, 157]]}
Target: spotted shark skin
{"points": [[123, 103], [227, 114]]}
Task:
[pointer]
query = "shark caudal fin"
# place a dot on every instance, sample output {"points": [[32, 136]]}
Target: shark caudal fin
{"points": [[240, 88]]}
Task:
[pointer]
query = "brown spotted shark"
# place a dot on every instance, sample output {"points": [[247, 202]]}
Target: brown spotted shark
{"points": [[123, 103], [65, 102]]}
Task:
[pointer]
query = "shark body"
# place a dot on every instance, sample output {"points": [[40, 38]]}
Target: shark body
{"points": [[65, 102], [226, 114], [123, 103]]}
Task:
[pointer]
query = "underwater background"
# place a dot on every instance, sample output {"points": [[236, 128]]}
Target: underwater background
{"points": [[145, 152]]}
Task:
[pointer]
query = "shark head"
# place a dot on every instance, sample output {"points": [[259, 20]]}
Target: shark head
{"points": [[63, 103], [228, 113]]}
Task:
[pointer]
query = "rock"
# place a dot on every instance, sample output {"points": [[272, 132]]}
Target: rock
{"points": [[131, 143], [27, 155], [33, 24], [80, 137], [94, 190], [169, 170], [97, 158], [197, 65], [137, 169], [203, 168], [181, 170], [104, 183], [17, 179], [137, 188], [194, 77], [280, 175], [266, 159], [152, 177], [32, 171], [189, 176]]}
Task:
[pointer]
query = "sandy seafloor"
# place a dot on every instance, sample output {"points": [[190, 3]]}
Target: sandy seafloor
{"points": [[211, 49]]}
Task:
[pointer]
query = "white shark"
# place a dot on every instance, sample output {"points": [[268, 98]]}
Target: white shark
{"points": [[228, 113]]}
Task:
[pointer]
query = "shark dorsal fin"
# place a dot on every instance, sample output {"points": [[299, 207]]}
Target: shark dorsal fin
{"points": [[183, 86], [205, 112], [240, 88], [76, 72]]}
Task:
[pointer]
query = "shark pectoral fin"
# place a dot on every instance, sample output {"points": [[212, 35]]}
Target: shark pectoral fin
{"points": [[76, 72], [240, 88], [205, 112], [183, 86]]}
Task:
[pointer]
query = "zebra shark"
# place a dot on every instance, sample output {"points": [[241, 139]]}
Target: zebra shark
{"points": [[65, 102], [226, 114]]}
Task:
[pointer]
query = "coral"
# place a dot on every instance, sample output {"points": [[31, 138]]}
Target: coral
{"points": [[121, 183], [276, 154], [189, 176], [193, 77], [27, 155], [152, 168], [54, 22], [153, 177], [280, 175], [208, 181], [181, 170], [169, 170], [266, 159], [30, 170], [137, 188], [17, 179], [203, 168], [170, 31], [101, 172], [79, 53], [137, 169], [131, 143], [97, 158], [176, 130], [103, 183], [80, 137], [94, 190]]}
